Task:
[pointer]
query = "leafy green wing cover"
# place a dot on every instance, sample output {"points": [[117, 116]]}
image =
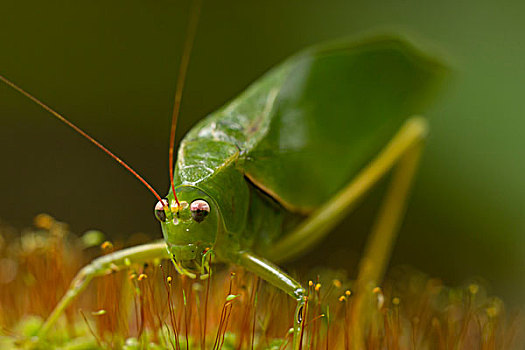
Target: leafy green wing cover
{"points": [[310, 124]]}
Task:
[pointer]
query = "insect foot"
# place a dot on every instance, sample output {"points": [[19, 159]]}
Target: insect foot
{"points": [[302, 302]]}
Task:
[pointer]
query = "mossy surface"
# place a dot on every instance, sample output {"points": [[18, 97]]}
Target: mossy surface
{"points": [[151, 307]]}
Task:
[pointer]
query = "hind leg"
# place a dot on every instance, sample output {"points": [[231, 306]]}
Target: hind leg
{"points": [[323, 220], [401, 155], [382, 239]]}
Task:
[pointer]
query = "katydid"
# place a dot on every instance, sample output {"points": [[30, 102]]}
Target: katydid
{"points": [[266, 177]]}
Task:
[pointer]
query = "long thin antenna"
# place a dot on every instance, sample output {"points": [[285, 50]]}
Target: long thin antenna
{"points": [[183, 69], [80, 131]]}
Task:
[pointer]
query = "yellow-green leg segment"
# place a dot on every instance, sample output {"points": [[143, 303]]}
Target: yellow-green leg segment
{"points": [[382, 238], [102, 266], [275, 276], [403, 150], [403, 153]]}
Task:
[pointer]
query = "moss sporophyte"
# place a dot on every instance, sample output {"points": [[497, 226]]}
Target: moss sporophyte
{"points": [[252, 187], [152, 306]]}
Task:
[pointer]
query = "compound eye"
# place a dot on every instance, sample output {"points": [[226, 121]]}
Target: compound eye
{"points": [[199, 210], [160, 214]]}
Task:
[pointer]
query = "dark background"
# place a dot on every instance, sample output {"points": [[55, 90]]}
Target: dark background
{"points": [[111, 67]]}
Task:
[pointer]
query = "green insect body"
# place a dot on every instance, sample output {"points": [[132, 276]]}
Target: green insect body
{"points": [[294, 139], [267, 176]]}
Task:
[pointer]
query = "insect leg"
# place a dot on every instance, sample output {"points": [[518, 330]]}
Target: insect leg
{"points": [[403, 150], [324, 219], [382, 238], [99, 267], [274, 275]]}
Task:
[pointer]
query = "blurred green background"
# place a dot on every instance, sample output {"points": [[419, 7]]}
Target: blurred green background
{"points": [[111, 67]]}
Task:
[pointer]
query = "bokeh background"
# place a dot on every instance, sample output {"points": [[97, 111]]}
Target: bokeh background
{"points": [[111, 67]]}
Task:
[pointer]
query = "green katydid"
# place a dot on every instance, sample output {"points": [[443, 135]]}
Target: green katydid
{"points": [[266, 177]]}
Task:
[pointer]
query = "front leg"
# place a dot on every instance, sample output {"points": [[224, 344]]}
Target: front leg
{"points": [[274, 275], [101, 266]]}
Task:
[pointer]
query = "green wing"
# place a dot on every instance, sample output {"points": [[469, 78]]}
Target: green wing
{"points": [[309, 125]]}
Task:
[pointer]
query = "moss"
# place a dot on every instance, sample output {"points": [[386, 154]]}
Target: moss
{"points": [[152, 307]]}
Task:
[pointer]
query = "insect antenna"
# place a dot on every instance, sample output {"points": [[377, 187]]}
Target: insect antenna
{"points": [[183, 69], [81, 132]]}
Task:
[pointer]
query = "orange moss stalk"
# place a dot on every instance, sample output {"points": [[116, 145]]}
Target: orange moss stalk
{"points": [[152, 304]]}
